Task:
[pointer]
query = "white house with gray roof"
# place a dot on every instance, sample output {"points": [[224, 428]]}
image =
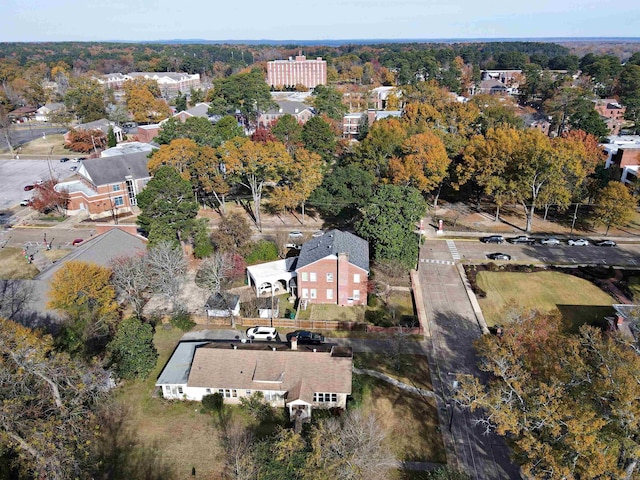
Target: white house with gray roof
{"points": [[300, 111]]}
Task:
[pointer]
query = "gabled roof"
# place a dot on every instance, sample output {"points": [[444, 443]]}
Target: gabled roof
{"points": [[335, 242], [199, 110], [103, 171], [257, 367], [100, 250], [103, 124], [176, 371], [222, 301]]}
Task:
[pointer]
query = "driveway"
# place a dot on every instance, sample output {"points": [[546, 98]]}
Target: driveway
{"points": [[454, 328]]}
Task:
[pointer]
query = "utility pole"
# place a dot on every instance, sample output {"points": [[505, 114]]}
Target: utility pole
{"points": [[575, 216]]}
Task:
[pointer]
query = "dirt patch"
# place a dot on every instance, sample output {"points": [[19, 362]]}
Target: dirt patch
{"points": [[14, 266]]}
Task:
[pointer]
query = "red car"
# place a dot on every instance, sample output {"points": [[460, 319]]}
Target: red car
{"points": [[77, 241], [29, 187]]}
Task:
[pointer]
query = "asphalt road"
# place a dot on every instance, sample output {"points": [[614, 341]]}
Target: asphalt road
{"points": [[15, 174]]}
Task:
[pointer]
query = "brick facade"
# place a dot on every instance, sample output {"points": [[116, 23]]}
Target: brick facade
{"points": [[333, 280], [297, 71]]}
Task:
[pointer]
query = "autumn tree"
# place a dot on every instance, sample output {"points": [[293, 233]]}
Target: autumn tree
{"points": [[569, 404], [200, 130], [179, 154], [168, 207], [47, 199], [233, 234], [47, 406], [252, 165], [84, 141], [383, 142], [83, 291], [144, 101], [423, 165], [615, 206], [132, 352]]}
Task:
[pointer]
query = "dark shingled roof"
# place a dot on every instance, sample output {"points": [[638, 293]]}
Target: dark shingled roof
{"points": [[222, 301], [332, 243], [103, 171]]}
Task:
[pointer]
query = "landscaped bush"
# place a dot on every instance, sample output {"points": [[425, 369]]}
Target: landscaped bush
{"points": [[372, 300], [256, 406], [263, 251], [378, 318], [213, 402], [182, 320]]}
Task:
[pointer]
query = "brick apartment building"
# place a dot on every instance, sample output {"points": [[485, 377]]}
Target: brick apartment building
{"points": [[612, 112], [297, 71]]}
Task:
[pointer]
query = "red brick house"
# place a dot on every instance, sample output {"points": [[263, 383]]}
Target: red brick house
{"points": [[104, 187], [334, 269]]}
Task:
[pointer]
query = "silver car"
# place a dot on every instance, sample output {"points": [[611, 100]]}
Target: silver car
{"points": [[578, 242], [550, 241]]}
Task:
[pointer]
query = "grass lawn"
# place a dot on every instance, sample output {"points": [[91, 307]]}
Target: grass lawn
{"points": [[336, 312], [185, 437], [14, 266], [578, 300], [413, 369], [55, 255], [41, 146], [410, 421]]}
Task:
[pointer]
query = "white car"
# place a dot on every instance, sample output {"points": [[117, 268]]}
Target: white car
{"points": [[295, 234], [25, 203], [550, 241], [262, 333], [578, 242], [317, 234]]}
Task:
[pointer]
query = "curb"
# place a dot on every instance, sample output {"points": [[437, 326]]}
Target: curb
{"points": [[482, 323]]}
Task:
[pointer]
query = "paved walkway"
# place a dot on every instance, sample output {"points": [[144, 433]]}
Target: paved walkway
{"points": [[454, 327]]}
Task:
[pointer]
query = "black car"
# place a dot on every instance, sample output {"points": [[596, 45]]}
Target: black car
{"points": [[492, 239], [522, 239], [305, 336], [498, 256], [64, 159], [606, 243]]}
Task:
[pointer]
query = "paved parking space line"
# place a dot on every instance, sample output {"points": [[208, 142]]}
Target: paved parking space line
{"points": [[603, 261]]}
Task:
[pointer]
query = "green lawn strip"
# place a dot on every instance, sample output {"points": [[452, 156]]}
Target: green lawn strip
{"points": [[578, 300], [634, 288], [409, 368], [410, 421]]}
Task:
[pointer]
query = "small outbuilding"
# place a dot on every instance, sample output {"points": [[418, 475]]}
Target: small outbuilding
{"points": [[223, 304]]}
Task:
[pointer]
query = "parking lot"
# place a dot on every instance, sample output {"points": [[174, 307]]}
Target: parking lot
{"points": [[15, 174]]}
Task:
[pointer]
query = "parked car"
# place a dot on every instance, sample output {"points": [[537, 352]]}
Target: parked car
{"points": [[319, 233], [295, 234], [29, 187], [606, 243], [73, 168], [306, 337], [262, 333], [550, 241], [25, 203], [498, 256], [77, 241], [578, 242], [75, 160], [522, 239], [492, 239], [64, 159]]}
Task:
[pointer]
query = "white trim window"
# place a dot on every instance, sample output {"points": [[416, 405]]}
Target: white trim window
{"points": [[118, 201], [329, 293], [228, 392], [356, 295], [305, 276], [305, 293], [321, 397], [313, 277], [329, 277], [314, 293], [356, 278]]}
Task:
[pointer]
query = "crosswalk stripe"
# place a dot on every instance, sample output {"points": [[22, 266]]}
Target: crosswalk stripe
{"points": [[452, 248]]}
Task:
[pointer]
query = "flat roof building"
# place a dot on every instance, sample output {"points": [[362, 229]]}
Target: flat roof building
{"points": [[297, 71]]}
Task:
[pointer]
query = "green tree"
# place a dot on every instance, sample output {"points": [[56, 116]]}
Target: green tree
{"points": [[85, 99], [111, 138], [328, 101], [167, 206], [246, 92], [133, 354], [614, 206], [181, 102], [318, 137], [389, 222], [343, 191], [586, 118]]}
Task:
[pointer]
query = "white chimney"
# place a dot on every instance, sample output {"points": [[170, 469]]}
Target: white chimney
{"points": [[294, 343], [296, 110], [279, 110], [235, 347]]}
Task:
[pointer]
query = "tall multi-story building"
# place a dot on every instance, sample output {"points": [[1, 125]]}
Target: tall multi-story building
{"points": [[297, 71]]}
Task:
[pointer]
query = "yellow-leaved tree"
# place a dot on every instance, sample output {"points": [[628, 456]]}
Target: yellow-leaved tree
{"points": [[83, 291]]}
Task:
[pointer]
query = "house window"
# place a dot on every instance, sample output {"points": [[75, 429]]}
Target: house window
{"points": [[329, 277], [118, 201], [180, 390], [247, 393], [329, 294], [305, 293], [207, 391], [116, 188], [312, 276], [325, 397], [228, 392], [356, 294], [305, 276], [314, 294], [356, 278]]}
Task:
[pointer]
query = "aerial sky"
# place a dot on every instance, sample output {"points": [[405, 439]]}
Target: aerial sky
{"points": [[91, 20]]}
